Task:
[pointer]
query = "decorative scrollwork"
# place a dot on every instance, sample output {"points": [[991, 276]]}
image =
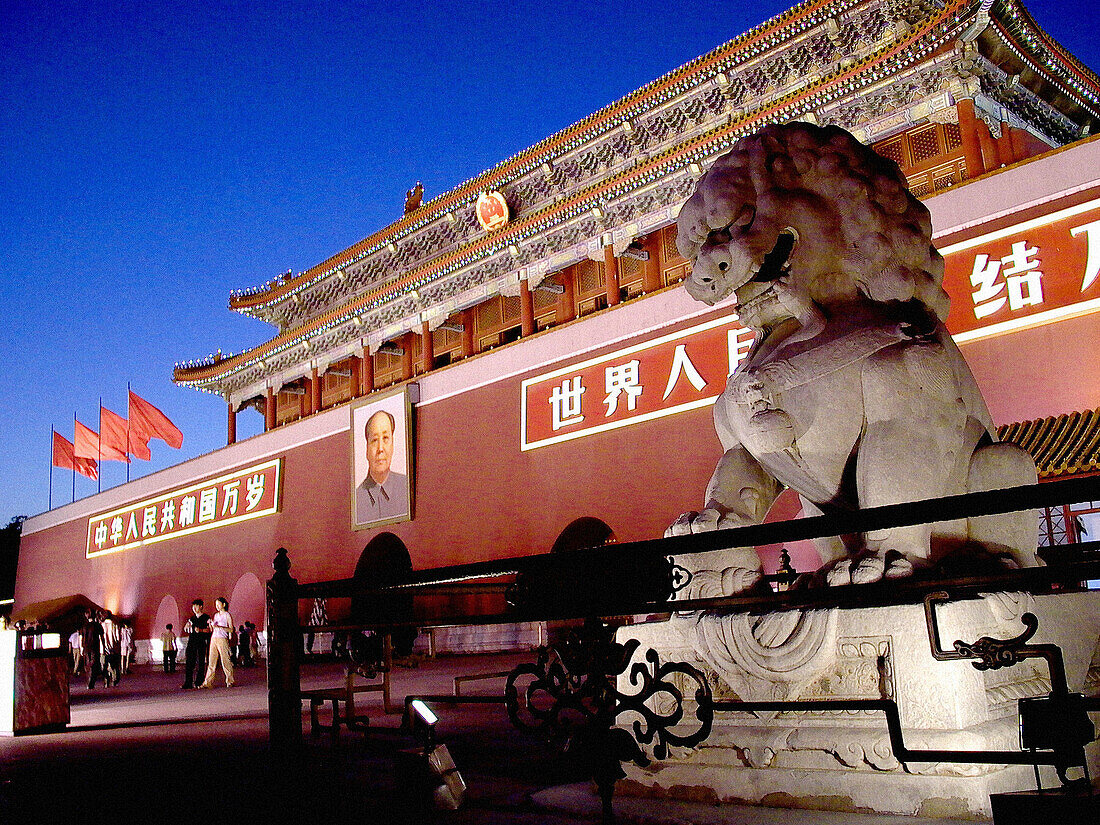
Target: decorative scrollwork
{"points": [[570, 694], [569, 690], [657, 680], [993, 654], [681, 576]]}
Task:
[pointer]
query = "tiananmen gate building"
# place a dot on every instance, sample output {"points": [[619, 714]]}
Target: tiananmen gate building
{"points": [[525, 339]]}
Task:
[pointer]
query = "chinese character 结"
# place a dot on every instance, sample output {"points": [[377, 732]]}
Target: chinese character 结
{"points": [[1020, 272]]}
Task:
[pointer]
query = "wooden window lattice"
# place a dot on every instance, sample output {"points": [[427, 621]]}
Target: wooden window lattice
{"points": [[892, 150], [670, 255], [589, 278], [544, 300], [511, 309], [952, 137], [924, 144], [488, 315]]}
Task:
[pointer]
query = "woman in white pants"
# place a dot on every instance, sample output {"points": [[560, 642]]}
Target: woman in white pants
{"points": [[220, 647]]}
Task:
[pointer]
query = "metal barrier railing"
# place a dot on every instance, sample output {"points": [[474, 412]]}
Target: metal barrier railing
{"points": [[643, 577]]}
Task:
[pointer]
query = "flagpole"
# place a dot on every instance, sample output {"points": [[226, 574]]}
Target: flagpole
{"points": [[49, 506], [128, 430], [74, 456], [99, 450]]}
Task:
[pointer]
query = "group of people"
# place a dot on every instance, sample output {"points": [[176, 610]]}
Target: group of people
{"points": [[102, 648], [210, 642]]}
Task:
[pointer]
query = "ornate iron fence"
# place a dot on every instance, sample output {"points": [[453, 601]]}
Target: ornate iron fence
{"points": [[572, 693]]}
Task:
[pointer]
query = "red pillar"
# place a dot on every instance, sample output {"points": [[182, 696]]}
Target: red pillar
{"points": [[269, 410], [314, 391], [567, 302], [427, 348], [611, 275], [231, 425], [651, 271], [968, 131], [526, 309], [467, 333], [367, 371], [407, 359]]}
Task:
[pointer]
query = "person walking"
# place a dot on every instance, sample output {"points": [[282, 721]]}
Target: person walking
{"points": [[253, 643], [75, 651], [112, 655], [91, 642], [244, 646], [220, 647], [126, 645], [168, 648], [198, 640]]}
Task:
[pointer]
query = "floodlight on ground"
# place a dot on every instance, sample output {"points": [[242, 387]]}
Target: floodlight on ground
{"points": [[429, 771], [423, 724], [424, 712]]}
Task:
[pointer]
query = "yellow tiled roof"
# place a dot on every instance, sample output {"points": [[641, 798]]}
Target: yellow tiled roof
{"points": [[1061, 445]]}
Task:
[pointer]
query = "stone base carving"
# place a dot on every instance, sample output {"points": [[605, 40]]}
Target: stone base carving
{"points": [[843, 761]]}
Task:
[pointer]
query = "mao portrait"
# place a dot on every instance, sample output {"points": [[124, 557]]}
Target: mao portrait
{"points": [[381, 471]]}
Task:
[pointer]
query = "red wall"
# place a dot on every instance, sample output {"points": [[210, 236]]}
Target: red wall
{"points": [[477, 497], [1035, 373]]}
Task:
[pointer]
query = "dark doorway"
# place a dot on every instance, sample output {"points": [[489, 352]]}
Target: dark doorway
{"points": [[583, 532], [385, 560]]}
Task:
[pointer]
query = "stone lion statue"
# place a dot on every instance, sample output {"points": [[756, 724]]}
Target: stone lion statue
{"points": [[853, 393]]}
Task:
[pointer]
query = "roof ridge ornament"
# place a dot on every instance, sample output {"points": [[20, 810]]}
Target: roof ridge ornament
{"points": [[980, 24], [414, 198]]}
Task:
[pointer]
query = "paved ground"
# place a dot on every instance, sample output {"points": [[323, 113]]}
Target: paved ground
{"points": [[146, 751]]}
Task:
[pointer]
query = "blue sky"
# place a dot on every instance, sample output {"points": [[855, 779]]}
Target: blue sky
{"points": [[155, 156]]}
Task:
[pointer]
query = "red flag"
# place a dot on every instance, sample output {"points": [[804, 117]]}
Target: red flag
{"points": [[86, 442], [113, 431], [65, 457], [146, 422]]}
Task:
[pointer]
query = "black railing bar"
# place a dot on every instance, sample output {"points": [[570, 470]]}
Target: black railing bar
{"points": [[893, 725], [453, 699], [1035, 580], [969, 505]]}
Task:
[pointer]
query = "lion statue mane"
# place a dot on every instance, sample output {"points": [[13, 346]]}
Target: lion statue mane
{"points": [[853, 393]]}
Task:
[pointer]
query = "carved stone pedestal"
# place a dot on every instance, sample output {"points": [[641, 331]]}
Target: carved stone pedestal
{"points": [[843, 760]]}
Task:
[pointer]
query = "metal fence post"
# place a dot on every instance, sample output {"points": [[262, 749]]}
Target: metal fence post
{"points": [[284, 639]]}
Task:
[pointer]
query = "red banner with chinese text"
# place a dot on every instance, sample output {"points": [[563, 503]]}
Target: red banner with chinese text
{"points": [[1026, 274], [244, 494], [670, 374]]}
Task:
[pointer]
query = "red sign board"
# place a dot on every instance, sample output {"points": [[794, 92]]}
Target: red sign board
{"points": [[239, 496], [1031, 273], [670, 374]]}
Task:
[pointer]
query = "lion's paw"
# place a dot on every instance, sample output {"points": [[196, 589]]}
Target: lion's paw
{"points": [[868, 570], [839, 574], [694, 522], [898, 567]]}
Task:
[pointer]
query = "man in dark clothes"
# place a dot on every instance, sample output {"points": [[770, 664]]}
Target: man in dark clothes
{"points": [[244, 646], [91, 640], [198, 642]]}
